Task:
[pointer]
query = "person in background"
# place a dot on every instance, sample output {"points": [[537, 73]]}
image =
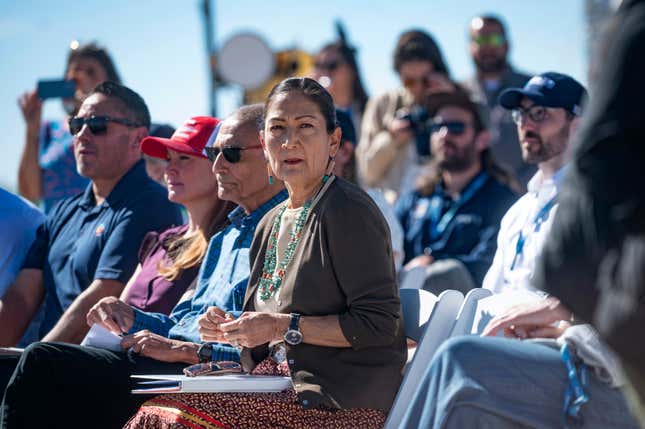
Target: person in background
{"points": [[47, 171], [507, 383], [19, 220], [156, 167], [451, 220], [489, 50], [393, 141], [169, 261], [345, 167], [547, 112], [594, 257], [336, 68]]}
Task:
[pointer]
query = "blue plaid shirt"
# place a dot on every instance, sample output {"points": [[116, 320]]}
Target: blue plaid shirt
{"points": [[221, 282]]}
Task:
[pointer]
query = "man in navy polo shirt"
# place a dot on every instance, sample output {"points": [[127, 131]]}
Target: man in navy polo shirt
{"points": [[87, 248]]}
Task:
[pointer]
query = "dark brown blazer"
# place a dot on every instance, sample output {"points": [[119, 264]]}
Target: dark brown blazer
{"points": [[343, 265]]}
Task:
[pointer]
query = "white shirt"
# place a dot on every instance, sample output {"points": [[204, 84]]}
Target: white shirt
{"points": [[503, 275]]}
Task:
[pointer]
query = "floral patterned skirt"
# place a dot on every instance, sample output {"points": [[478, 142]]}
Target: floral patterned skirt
{"points": [[247, 410]]}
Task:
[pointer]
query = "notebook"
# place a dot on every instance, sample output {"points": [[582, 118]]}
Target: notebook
{"points": [[148, 384]]}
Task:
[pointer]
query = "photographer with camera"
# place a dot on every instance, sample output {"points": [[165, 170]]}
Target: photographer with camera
{"points": [[47, 169], [393, 138]]}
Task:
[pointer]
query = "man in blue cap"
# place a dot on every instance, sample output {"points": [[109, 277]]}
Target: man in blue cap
{"points": [[547, 111], [504, 383]]}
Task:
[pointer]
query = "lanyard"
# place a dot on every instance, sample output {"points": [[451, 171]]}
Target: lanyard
{"points": [[439, 223], [574, 397], [540, 217]]}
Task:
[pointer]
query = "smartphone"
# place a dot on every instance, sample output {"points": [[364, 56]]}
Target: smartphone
{"points": [[56, 89]]}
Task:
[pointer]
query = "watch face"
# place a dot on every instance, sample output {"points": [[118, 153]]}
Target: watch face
{"points": [[205, 352], [293, 337]]}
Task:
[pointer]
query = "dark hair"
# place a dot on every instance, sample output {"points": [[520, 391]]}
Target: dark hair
{"points": [[94, 51], [348, 136], [313, 91], [493, 19], [131, 101], [417, 45], [348, 54]]}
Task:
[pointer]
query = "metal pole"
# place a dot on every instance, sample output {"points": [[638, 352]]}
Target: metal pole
{"points": [[209, 33]]}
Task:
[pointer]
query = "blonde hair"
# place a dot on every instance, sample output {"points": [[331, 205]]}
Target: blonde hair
{"points": [[187, 250]]}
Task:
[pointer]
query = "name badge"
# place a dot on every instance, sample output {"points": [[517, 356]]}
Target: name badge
{"points": [[421, 208]]}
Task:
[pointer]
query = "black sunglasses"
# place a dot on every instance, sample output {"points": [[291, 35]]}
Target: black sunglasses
{"points": [[97, 124], [231, 154], [455, 128], [328, 66]]}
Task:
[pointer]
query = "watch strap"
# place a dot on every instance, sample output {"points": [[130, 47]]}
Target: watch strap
{"points": [[295, 322]]}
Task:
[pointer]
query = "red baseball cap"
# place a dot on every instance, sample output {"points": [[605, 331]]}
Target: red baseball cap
{"points": [[191, 138]]}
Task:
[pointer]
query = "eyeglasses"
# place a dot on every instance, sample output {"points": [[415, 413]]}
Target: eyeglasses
{"points": [[231, 154], [536, 114], [455, 128], [425, 81], [97, 124], [494, 40]]}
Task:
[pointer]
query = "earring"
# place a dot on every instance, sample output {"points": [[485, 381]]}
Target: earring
{"points": [[330, 169], [270, 175]]}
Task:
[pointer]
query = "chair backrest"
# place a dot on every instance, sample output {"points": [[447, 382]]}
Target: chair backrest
{"points": [[435, 331], [417, 306], [414, 278], [466, 315]]}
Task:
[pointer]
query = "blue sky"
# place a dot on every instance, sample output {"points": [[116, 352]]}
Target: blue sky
{"points": [[158, 45]]}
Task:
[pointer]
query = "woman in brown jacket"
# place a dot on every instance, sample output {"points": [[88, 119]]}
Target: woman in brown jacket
{"points": [[322, 303]]}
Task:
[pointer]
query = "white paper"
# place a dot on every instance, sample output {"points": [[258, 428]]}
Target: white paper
{"points": [[11, 351], [498, 304], [218, 383], [102, 338]]}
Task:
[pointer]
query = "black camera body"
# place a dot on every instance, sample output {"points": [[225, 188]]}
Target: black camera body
{"points": [[418, 118]]}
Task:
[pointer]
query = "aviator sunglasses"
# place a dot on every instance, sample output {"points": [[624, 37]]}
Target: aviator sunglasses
{"points": [[494, 40], [97, 124], [231, 154], [456, 128]]}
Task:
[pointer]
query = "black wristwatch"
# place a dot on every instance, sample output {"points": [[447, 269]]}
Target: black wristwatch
{"points": [[205, 352], [293, 336]]}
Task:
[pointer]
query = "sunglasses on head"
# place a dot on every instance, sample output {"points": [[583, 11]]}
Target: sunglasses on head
{"points": [[494, 40], [97, 124], [455, 128], [231, 154], [329, 66]]}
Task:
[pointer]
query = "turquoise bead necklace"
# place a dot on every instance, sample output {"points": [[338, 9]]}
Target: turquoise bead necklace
{"points": [[271, 279]]}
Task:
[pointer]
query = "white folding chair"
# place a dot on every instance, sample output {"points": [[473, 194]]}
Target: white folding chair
{"points": [[436, 329], [414, 278], [466, 315]]}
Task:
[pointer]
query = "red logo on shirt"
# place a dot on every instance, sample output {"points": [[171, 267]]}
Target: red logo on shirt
{"points": [[99, 230]]}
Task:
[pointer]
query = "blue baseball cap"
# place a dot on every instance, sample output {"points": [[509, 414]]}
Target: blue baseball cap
{"points": [[549, 90]]}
